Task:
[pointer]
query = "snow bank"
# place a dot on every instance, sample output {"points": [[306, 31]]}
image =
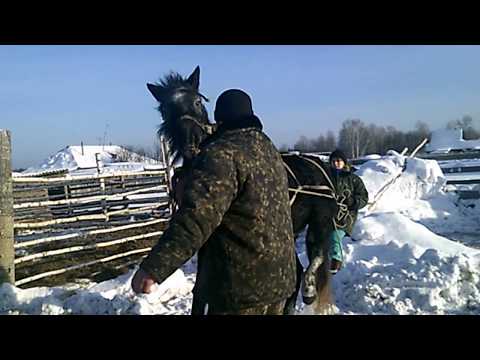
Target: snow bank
{"points": [[419, 179], [381, 229], [391, 279]]}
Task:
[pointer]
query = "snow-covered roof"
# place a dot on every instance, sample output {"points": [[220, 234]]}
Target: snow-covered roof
{"points": [[76, 158], [445, 140]]}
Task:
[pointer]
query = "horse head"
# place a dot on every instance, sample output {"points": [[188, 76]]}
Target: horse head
{"points": [[185, 119]]}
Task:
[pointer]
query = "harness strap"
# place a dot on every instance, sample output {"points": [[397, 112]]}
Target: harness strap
{"points": [[205, 127], [306, 192], [342, 214], [301, 188], [321, 169]]}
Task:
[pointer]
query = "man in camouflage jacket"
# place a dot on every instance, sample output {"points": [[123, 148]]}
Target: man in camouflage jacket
{"points": [[236, 197]]}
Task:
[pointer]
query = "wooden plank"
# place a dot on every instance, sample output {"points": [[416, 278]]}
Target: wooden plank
{"points": [[24, 244], [75, 267], [72, 249], [70, 178], [88, 199], [86, 217]]}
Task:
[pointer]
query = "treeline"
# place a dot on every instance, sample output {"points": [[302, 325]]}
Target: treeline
{"points": [[138, 152], [357, 138], [470, 131]]}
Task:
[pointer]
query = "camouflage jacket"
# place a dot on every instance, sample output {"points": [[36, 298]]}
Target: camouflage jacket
{"points": [[355, 194], [236, 197]]}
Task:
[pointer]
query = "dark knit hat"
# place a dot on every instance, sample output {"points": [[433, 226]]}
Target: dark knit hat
{"points": [[338, 154], [232, 105]]}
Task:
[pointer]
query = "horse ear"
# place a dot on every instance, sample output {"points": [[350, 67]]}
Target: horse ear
{"points": [[194, 78], [157, 92]]}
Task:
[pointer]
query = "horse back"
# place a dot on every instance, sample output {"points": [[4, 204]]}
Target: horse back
{"points": [[306, 172]]}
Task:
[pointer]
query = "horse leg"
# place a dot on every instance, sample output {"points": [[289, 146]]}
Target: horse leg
{"points": [[317, 283], [316, 260], [300, 214], [292, 300], [324, 299], [310, 280]]}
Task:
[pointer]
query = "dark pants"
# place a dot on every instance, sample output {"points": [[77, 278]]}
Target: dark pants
{"points": [[270, 309], [198, 305]]}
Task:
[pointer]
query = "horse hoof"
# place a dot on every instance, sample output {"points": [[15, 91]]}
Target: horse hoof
{"points": [[308, 300], [309, 294]]}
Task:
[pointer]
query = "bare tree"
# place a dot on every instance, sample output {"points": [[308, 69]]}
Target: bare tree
{"points": [[132, 153], [330, 141], [357, 139], [467, 124], [303, 144], [354, 138], [318, 144]]}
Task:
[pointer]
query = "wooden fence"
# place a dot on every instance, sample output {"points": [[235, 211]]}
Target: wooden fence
{"points": [[69, 227]]}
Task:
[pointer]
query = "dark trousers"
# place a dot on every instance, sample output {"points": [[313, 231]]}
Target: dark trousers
{"points": [[270, 309], [198, 305]]}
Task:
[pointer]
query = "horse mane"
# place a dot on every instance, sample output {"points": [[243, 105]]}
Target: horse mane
{"points": [[172, 81], [172, 135]]}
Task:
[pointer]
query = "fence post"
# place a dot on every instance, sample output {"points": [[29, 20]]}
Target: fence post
{"points": [[102, 185], [168, 179], [7, 252]]}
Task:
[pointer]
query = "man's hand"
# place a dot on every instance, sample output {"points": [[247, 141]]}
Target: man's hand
{"points": [[142, 282]]}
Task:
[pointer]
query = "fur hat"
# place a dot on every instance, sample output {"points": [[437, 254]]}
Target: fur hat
{"points": [[232, 105], [338, 154]]}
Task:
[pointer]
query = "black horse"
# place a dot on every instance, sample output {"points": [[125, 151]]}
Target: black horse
{"points": [[186, 124]]}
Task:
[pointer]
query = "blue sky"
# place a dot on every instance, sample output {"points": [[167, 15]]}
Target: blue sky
{"points": [[54, 96]]}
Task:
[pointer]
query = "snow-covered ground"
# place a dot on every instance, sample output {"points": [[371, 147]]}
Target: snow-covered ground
{"points": [[402, 258], [112, 297]]}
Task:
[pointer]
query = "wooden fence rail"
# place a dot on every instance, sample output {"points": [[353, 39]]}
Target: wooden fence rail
{"points": [[75, 267], [77, 235]]}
